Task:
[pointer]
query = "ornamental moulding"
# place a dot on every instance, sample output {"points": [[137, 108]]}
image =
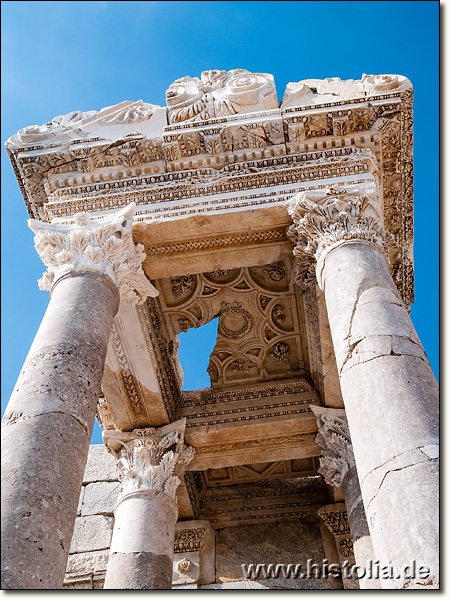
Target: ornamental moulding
{"points": [[102, 246]]}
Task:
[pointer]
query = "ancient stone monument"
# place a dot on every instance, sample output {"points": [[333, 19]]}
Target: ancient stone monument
{"points": [[292, 223]]}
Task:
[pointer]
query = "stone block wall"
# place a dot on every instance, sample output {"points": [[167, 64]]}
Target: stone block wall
{"points": [[218, 556], [91, 540]]}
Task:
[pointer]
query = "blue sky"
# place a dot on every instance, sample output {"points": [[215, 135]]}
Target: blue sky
{"points": [[63, 56]]}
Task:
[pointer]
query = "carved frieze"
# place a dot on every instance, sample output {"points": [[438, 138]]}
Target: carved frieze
{"points": [[190, 540], [256, 154], [336, 520]]}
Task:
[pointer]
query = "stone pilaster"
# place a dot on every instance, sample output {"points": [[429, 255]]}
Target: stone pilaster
{"points": [[337, 465], [336, 521], [47, 426], [389, 390], [194, 560], [150, 463]]}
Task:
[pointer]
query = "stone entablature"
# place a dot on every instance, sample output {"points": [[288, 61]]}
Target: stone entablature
{"points": [[224, 133]]}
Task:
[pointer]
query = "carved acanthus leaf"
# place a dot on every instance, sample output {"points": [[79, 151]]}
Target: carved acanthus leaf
{"points": [[104, 246], [151, 461], [334, 437], [325, 218]]}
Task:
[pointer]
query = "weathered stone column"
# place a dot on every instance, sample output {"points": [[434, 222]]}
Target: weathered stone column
{"points": [[150, 464], [389, 390], [48, 422], [337, 465]]}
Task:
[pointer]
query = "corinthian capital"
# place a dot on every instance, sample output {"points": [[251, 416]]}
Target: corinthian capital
{"points": [[334, 438], [149, 458], [103, 245], [324, 218]]}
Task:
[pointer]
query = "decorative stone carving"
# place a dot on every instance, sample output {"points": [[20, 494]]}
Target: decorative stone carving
{"points": [[238, 365], [306, 141], [181, 285], [234, 321], [320, 91], [69, 125], [335, 518], [334, 437], [324, 218], [152, 459], [57, 126], [280, 351], [102, 245], [346, 547], [258, 333], [184, 565], [189, 540], [220, 94], [297, 468]]}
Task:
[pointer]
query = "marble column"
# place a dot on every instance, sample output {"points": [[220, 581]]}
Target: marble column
{"points": [[46, 429], [389, 390], [337, 465], [150, 463]]}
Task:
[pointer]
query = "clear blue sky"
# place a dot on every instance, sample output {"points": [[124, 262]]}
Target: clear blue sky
{"points": [[63, 56]]}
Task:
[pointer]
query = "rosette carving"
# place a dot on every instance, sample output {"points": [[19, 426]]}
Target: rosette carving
{"points": [[220, 94], [102, 245], [381, 83]]}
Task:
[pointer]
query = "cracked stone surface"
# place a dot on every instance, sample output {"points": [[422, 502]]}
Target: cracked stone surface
{"points": [[362, 543], [391, 400], [46, 432], [142, 544]]}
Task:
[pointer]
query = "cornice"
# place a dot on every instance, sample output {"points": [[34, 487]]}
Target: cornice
{"points": [[252, 155]]}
